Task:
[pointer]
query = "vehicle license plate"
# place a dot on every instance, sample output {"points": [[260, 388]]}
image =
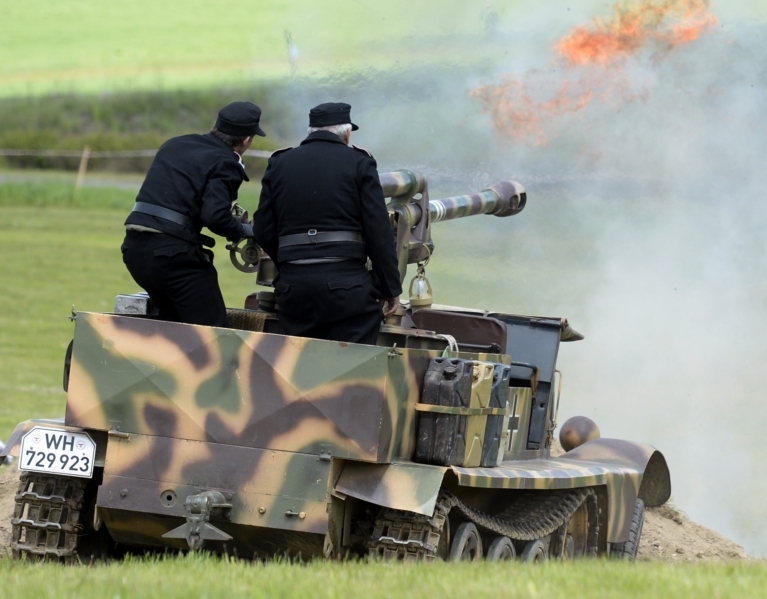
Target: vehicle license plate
{"points": [[54, 451]]}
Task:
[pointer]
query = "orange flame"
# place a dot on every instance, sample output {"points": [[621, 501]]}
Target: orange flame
{"points": [[632, 26], [512, 104], [516, 112]]}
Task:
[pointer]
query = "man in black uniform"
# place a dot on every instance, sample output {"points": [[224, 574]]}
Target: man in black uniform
{"points": [[322, 213], [192, 183]]}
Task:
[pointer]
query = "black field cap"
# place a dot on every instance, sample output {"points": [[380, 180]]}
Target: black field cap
{"points": [[331, 113], [239, 119]]}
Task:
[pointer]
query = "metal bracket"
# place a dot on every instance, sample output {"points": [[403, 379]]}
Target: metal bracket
{"points": [[119, 434], [423, 407], [199, 510], [533, 374]]}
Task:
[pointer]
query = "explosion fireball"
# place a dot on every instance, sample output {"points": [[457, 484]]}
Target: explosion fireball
{"points": [[588, 63]]}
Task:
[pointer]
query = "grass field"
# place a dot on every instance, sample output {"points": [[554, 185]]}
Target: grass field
{"points": [[199, 576], [94, 46], [58, 251]]}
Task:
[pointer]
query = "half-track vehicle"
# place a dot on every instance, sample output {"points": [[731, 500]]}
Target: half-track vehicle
{"points": [[436, 443]]}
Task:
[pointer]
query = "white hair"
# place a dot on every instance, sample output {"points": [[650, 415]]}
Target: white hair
{"points": [[340, 130]]}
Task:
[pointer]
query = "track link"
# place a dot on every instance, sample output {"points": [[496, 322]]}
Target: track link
{"points": [[47, 517], [408, 536], [532, 516]]}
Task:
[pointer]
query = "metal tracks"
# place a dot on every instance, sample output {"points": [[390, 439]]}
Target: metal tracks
{"points": [[406, 536], [535, 514], [48, 517]]}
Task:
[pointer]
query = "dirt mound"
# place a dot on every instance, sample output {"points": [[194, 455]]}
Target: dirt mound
{"points": [[9, 483], [668, 534]]}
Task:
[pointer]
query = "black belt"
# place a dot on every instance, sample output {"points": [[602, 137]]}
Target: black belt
{"points": [[309, 261], [174, 217], [165, 213], [315, 236]]}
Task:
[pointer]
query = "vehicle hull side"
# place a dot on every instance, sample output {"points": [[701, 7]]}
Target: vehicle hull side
{"points": [[144, 531], [244, 388], [401, 486], [267, 489], [618, 465]]}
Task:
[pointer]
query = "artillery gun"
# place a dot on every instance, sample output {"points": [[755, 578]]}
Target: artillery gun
{"points": [[433, 444]]}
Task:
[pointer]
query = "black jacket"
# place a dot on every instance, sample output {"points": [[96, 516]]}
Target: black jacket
{"points": [[197, 176], [326, 185]]}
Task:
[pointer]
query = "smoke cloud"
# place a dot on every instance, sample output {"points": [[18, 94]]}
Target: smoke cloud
{"points": [[638, 131], [592, 62]]}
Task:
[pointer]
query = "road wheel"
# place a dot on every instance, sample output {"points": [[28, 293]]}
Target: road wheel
{"points": [[628, 548], [466, 545], [501, 549], [578, 537], [534, 551]]}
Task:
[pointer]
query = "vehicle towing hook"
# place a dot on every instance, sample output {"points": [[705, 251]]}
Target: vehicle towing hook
{"points": [[198, 529]]}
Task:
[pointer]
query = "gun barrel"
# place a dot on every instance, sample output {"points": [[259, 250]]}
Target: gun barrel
{"points": [[505, 198], [402, 183]]}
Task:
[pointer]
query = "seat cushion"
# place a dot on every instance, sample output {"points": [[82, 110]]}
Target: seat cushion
{"points": [[468, 329]]}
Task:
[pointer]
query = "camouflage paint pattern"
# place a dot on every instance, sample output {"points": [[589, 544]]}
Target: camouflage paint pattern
{"points": [[264, 417], [402, 183], [506, 198], [243, 388], [481, 384], [265, 487], [402, 486], [621, 480]]}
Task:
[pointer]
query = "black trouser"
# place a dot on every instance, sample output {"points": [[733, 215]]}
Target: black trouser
{"points": [[179, 280], [335, 301]]}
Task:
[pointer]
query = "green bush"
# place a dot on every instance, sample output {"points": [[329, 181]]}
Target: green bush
{"points": [[125, 121]]}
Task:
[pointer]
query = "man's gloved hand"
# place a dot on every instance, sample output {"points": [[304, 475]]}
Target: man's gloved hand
{"points": [[247, 231], [391, 304]]}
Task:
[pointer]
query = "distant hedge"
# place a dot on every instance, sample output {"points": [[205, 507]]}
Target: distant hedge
{"points": [[124, 121]]}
